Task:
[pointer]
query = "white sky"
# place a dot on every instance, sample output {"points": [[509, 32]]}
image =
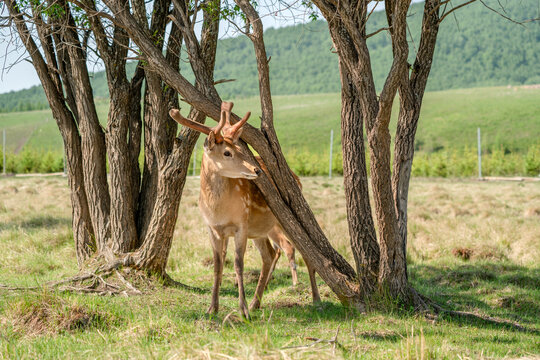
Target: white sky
{"points": [[16, 73]]}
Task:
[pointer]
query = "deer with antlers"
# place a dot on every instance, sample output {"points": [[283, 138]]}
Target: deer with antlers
{"points": [[233, 206]]}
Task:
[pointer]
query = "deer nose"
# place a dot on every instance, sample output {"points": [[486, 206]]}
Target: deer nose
{"points": [[258, 171]]}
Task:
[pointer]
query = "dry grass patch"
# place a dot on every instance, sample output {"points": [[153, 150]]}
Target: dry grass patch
{"points": [[491, 220], [48, 315]]}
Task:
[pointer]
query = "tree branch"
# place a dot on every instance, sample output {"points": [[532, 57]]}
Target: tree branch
{"points": [[454, 9]]}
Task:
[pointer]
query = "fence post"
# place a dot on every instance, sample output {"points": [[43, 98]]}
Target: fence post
{"points": [[330, 162], [479, 155], [65, 168], [4, 152], [194, 158]]}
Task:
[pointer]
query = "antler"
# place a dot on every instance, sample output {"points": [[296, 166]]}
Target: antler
{"points": [[224, 126], [175, 114], [229, 131]]}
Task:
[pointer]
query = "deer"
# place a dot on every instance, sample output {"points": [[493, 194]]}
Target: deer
{"points": [[232, 205]]}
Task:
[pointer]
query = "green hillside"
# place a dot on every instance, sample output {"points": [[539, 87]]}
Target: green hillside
{"points": [[509, 119], [476, 48]]}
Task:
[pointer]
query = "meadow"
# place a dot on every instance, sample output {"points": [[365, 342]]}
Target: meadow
{"points": [[445, 146], [473, 246]]}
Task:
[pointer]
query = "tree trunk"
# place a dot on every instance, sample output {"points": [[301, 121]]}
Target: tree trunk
{"points": [[349, 36], [355, 180], [411, 94], [83, 232], [92, 140]]}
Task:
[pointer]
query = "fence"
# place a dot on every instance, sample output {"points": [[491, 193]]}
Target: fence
{"points": [[464, 162]]}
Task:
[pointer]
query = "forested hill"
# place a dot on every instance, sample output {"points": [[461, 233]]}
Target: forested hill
{"points": [[475, 48]]}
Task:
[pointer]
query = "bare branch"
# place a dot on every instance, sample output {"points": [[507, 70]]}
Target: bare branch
{"points": [[507, 17], [454, 9], [221, 81], [376, 32], [262, 62]]}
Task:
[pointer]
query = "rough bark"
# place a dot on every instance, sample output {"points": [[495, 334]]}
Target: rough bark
{"points": [[123, 232], [355, 179], [155, 118], [92, 139], [411, 93], [83, 232], [173, 165]]}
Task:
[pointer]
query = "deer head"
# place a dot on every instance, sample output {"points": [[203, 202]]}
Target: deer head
{"points": [[221, 149]]}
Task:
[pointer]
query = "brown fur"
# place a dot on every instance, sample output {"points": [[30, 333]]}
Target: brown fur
{"points": [[233, 206]]}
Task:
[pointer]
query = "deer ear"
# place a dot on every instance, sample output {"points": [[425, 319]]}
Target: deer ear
{"points": [[210, 141], [237, 135]]}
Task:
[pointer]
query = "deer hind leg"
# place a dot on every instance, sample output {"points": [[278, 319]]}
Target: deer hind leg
{"points": [[314, 288], [278, 236], [277, 254], [240, 242], [218, 242], [267, 255]]}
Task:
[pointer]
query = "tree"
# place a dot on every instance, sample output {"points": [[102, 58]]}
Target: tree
{"points": [[347, 22], [120, 218]]}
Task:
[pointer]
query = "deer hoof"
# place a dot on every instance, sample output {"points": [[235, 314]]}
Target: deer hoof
{"points": [[245, 313], [213, 309], [255, 305]]}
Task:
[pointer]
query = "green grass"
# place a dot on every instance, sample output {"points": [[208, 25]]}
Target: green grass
{"points": [[509, 119], [496, 222]]}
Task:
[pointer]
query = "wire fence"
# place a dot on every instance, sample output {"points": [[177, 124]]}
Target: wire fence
{"points": [[471, 161]]}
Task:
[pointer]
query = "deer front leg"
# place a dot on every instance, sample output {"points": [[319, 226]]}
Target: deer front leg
{"points": [[267, 256], [218, 242], [240, 242]]}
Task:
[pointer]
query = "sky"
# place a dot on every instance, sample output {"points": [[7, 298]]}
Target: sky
{"points": [[16, 73]]}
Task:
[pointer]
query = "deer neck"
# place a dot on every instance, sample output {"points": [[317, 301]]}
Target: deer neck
{"points": [[214, 187]]}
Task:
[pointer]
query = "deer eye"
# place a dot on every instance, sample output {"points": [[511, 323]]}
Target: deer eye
{"points": [[227, 153]]}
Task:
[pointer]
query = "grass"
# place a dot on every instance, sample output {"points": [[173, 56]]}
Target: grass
{"points": [[496, 224], [507, 116]]}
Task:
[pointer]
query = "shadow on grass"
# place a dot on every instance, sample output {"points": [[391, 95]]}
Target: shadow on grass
{"points": [[280, 278], [302, 313], [505, 290], [36, 222]]}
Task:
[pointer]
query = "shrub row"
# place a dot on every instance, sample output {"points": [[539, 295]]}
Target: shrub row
{"points": [[32, 161], [450, 163], [464, 163]]}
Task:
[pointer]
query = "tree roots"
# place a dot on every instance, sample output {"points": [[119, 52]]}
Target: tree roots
{"points": [[116, 277], [423, 304]]}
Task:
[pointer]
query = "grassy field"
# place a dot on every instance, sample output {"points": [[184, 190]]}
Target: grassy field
{"points": [[508, 117], [473, 246]]}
